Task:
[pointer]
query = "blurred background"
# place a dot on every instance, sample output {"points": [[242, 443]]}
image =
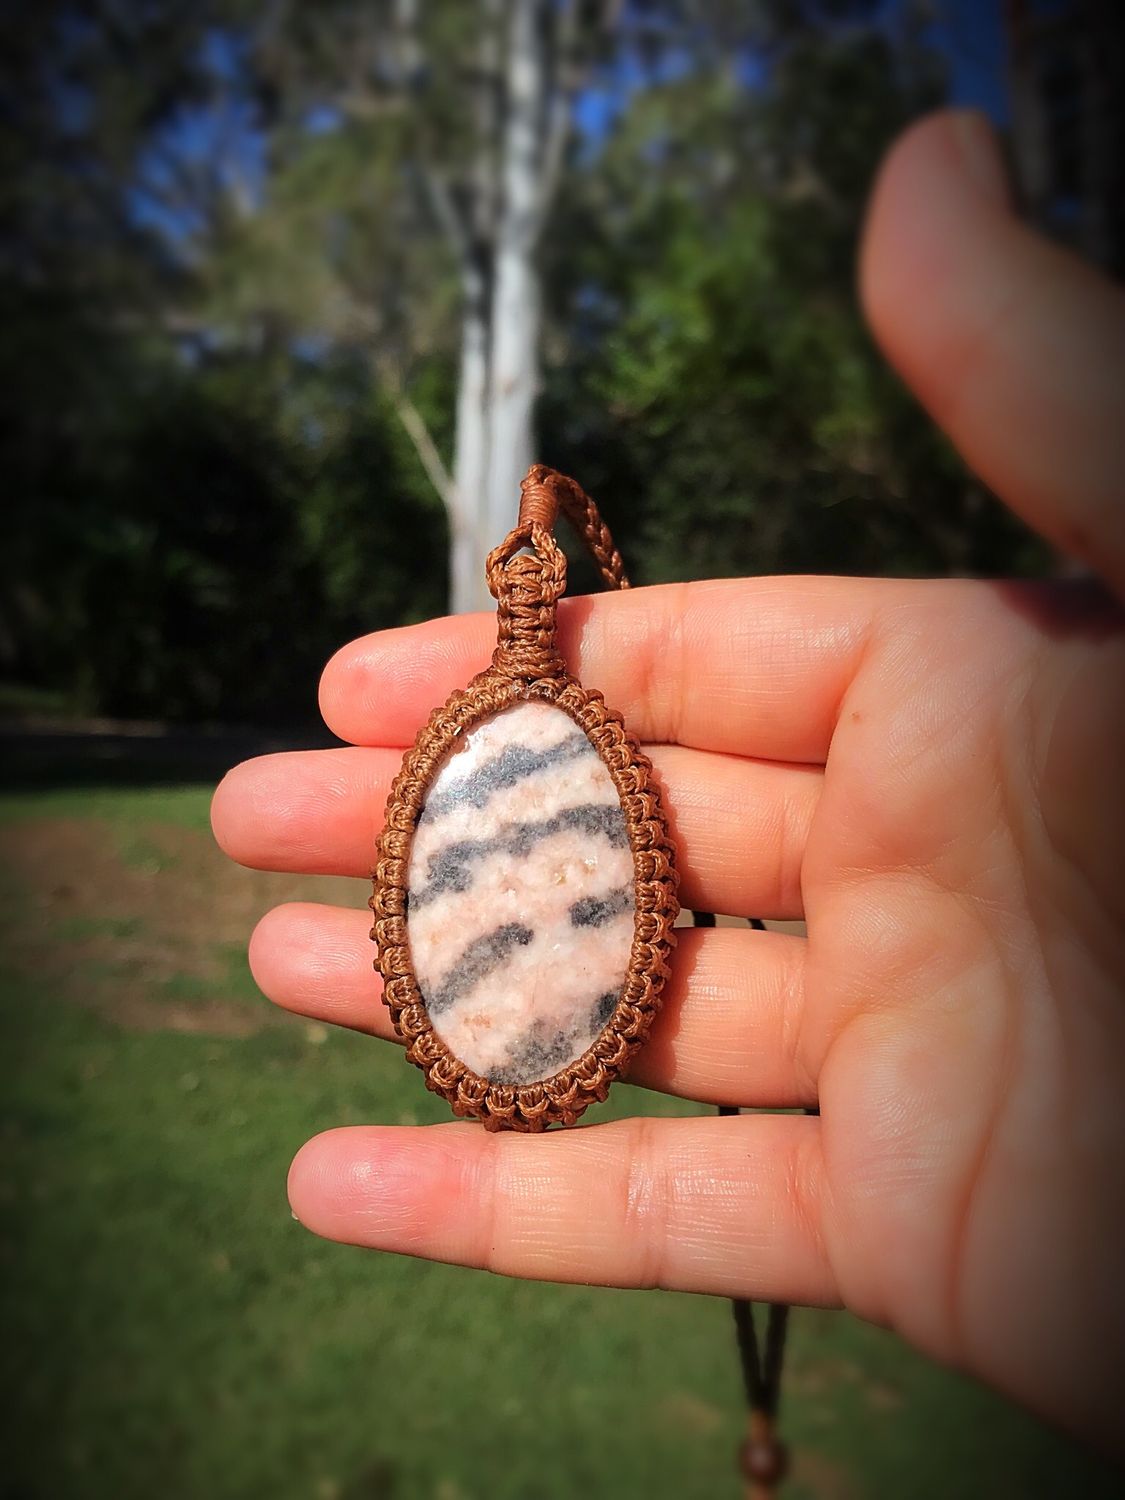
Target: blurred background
{"points": [[291, 294]]}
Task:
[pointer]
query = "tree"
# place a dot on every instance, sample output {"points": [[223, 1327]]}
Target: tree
{"points": [[318, 261], [439, 120], [718, 387], [174, 493]]}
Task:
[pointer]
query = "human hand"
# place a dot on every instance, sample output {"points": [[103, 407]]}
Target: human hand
{"points": [[928, 774]]}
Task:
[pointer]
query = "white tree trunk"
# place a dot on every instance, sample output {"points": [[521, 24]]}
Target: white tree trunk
{"points": [[515, 383], [468, 544], [514, 365]]}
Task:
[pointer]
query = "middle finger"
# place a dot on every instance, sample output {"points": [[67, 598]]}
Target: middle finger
{"points": [[740, 826]]}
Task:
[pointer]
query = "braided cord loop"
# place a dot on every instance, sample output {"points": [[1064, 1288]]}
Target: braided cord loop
{"points": [[527, 572]]}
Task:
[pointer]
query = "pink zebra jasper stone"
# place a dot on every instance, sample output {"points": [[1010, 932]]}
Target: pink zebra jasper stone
{"points": [[520, 895]]}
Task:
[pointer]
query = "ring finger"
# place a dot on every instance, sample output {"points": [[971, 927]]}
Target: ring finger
{"points": [[726, 1033]]}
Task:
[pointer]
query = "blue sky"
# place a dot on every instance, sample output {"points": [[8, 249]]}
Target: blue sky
{"points": [[968, 32]]}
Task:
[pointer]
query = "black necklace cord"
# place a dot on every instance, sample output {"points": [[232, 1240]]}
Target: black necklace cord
{"points": [[762, 1458]]}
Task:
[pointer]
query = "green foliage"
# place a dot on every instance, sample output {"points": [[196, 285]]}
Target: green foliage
{"points": [[723, 380], [769, 436], [203, 504], [200, 539]]}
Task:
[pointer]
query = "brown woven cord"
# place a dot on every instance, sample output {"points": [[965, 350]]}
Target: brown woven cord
{"points": [[544, 492], [762, 1457], [527, 577]]}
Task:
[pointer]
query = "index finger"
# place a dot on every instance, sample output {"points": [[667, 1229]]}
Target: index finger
{"points": [[746, 666]]}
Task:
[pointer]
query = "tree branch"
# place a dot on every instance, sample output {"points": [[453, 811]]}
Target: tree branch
{"points": [[452, 221], [416, 430], [488, 112], [568, 76]]}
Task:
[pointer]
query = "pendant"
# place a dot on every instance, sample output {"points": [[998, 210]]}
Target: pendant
{"points": [[525, 889]]}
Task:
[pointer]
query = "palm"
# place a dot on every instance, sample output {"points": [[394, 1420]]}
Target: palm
{"points": [[925, 773], [956, 990]]}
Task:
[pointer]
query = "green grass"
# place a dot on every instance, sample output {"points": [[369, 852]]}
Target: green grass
{"points": [[128, 808], [18, 699], [170, 1331]]}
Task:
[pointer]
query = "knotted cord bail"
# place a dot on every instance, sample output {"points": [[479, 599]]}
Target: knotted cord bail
{"points": [[527, 587], [527, 572]]}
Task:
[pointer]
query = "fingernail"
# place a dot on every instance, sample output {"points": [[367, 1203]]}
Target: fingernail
{"points": [[980, 154]]}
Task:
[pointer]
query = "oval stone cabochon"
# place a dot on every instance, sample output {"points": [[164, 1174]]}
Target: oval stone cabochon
{"points": [[521, 895]]}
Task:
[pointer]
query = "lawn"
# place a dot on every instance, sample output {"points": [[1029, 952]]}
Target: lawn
{"points": [[170, 1331]]}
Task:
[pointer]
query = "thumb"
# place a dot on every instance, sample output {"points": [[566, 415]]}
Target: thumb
{"points": [[1014, 346]]}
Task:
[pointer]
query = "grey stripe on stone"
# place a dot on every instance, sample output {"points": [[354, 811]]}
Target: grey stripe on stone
{"points": [[481, 957], [595, 911], [449, 869], [540, 1055], [604, 1007], [547, 1049], [513, 764]]}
